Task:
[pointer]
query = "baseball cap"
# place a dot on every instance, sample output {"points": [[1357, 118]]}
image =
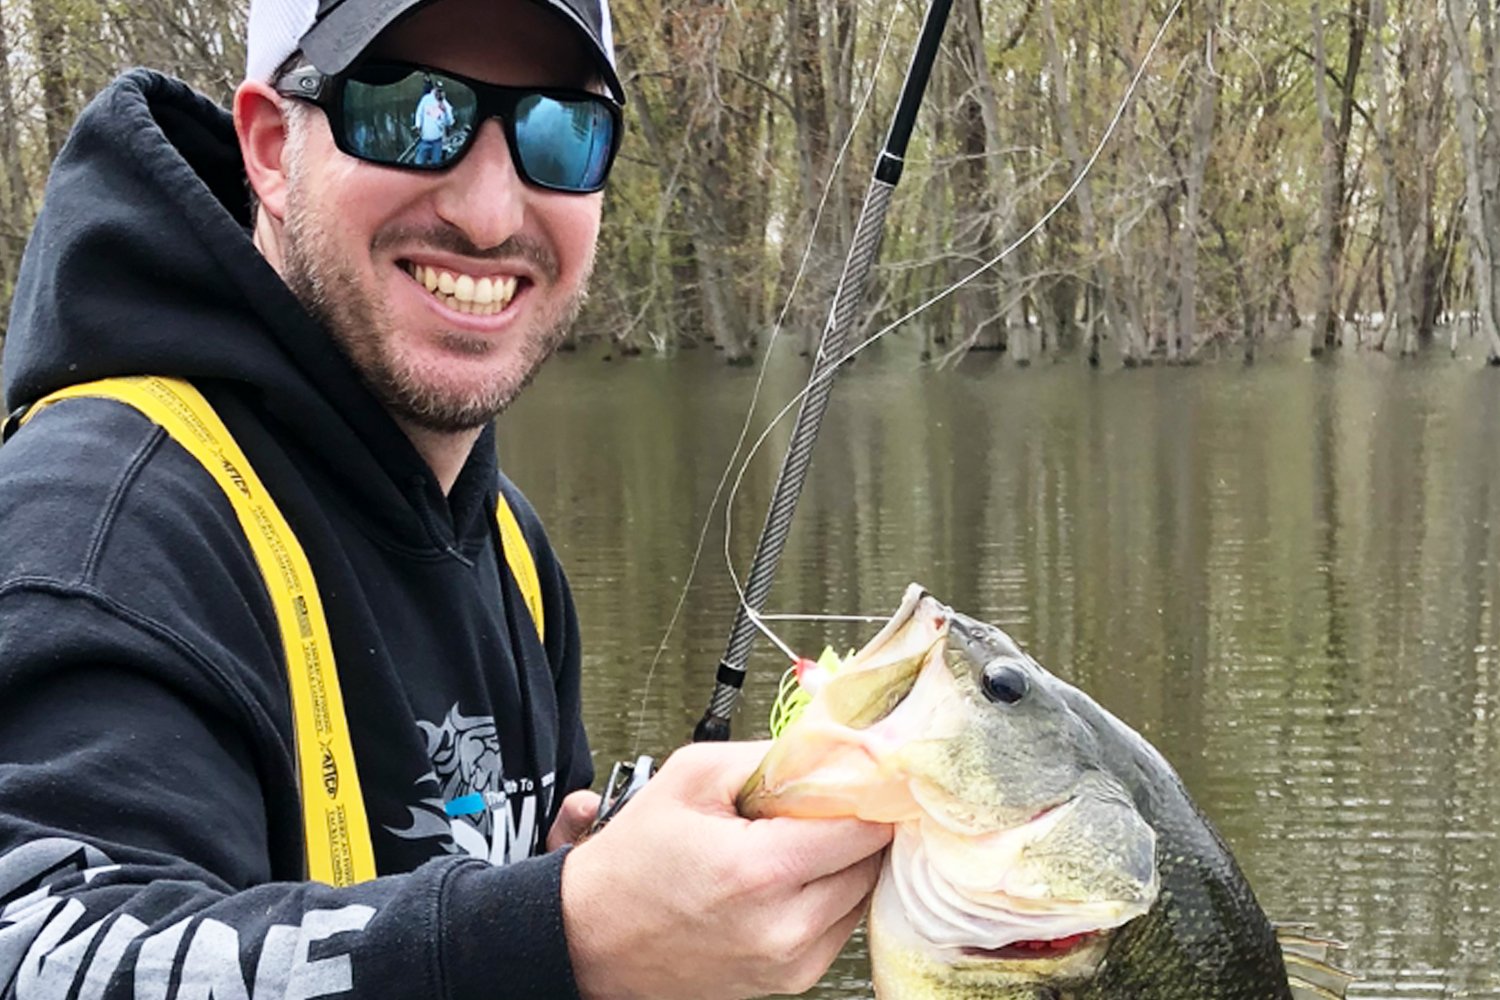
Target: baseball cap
{"points": [[333, 33]]}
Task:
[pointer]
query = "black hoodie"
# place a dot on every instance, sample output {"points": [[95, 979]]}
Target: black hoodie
{"points": [[150, 830]]}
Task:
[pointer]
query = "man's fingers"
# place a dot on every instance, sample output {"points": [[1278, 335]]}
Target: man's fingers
{"points": [[823, 847], [825, 947], [715, 772], [574, 818], [838, 935], [844, 891]]}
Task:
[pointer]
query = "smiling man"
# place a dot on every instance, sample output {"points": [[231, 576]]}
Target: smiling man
{"points": [[289, 673], [447, 286]]}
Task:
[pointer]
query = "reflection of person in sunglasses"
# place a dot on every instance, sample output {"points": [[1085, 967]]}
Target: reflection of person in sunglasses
{"points": [[433, 120], [356, 328]]}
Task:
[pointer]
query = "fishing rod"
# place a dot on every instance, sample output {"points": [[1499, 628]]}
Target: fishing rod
{"points": [[715, 724], [627, 778]]}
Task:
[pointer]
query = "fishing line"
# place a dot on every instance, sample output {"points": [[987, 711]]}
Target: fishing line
{"points": [[828, 187], [757, 619], [789, 617]]}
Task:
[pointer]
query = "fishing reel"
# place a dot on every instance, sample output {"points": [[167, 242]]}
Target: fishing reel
{"points": [[625, 780]]}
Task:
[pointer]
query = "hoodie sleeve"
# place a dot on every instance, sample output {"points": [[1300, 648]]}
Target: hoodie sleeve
{"points": [[147, 780]]}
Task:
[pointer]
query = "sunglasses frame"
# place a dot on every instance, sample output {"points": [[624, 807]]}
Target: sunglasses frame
{"points": [[493, 100]]}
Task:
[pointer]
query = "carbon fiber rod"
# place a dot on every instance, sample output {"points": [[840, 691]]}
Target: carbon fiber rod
{"points": [[715, 724]]}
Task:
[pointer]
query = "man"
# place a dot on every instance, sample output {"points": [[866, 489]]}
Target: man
{"points": [[434, 118], [355, 328]]}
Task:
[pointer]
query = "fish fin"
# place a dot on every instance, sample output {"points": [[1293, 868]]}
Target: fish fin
{"points": [[1310, 968]]}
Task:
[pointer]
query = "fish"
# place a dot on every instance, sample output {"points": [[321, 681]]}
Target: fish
{"points": [[1043, 849]]}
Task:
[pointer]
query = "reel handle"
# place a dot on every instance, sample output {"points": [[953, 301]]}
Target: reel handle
{"points": [[625, 780]]}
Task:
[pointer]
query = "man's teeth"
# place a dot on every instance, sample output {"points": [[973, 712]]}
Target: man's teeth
{"points": [[464, 292]]}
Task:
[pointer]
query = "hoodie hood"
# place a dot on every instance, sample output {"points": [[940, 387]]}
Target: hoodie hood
{"points": [[141, 262]]}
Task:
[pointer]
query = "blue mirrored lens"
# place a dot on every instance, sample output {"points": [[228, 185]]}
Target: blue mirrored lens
{"points": [[407, 117], [563, 144]]}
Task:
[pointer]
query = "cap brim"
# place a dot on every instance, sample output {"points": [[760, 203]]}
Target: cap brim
{"points": [[340, 36], [335, 42]]}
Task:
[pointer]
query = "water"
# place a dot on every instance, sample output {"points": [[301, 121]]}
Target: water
{"points": [[1286, 577]]}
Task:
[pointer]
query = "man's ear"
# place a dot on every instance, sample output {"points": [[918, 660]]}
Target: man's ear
{"points": [[261, 126]]}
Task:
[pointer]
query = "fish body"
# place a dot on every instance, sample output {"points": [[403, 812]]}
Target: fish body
{"points": [[1043, 850]]}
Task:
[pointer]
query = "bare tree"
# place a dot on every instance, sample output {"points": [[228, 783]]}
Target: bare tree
{"points": [[1103, 306], [15, 195], [1474, 101], [1200, 144]]}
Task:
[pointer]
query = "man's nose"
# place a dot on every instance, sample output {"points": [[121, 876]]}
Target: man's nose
{"points": [[482, 194]]}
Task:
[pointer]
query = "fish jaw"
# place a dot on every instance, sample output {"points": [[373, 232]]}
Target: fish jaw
{"points": [[989, 893], [942, 926], [840, 757], [964, 912], [827, 773], [821, 766], [906, 966]]}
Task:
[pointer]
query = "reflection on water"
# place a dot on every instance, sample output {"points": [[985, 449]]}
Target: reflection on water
{"points": [[1286, 577]]}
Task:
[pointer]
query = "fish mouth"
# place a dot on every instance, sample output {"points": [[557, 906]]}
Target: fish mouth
{"points": [[838, 763], [1034, 951]]}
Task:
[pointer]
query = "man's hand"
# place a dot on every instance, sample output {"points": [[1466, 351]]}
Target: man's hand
{"points": [[680, 898], [573, 819]]}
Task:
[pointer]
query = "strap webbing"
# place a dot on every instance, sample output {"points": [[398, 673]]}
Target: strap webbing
{"points": [[522, 565], [336, 829]]}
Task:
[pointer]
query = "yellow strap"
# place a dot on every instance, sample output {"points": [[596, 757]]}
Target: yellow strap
{"points": [[522, 565], [334, 822]]}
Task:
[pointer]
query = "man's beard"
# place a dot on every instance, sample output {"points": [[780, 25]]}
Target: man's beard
{"points": [[326, 284]]}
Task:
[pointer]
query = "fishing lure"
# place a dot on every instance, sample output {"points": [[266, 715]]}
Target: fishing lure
{"points": [[801, 681]]}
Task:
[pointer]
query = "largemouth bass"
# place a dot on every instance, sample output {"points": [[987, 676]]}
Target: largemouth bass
{"points": [[1043, 849]]}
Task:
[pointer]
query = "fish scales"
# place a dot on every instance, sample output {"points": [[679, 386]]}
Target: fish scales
{"points": [[1206, 937]]}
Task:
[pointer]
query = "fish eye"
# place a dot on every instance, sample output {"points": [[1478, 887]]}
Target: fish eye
{"points": [[1005, 684]]}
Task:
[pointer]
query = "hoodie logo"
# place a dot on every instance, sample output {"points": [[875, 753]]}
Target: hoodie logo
{"points": [[235, 477], [478, 810], [330, 773]]}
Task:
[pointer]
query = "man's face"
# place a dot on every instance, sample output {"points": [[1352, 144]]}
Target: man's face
{"points": [[362, 242]]}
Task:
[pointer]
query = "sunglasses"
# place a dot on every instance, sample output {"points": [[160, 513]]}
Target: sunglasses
{"points": [[417, 118]]}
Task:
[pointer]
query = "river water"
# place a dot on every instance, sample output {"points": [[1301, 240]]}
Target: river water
{"points": [[1285, 576]]}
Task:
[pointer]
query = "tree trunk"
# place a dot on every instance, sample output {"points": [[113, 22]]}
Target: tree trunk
{"points": [[716, 272], [838, 55], [1012, 326], [1401, 316], [57, 99], [15, 197], [1323, 334], [1423, 100], [1481, 175], [977, 302], [1358, 18], [1201, 137], [1102, 300], [810, 114]]}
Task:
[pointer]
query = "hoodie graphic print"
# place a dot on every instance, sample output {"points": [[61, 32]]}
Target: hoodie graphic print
{"points": [[478, 811]]}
